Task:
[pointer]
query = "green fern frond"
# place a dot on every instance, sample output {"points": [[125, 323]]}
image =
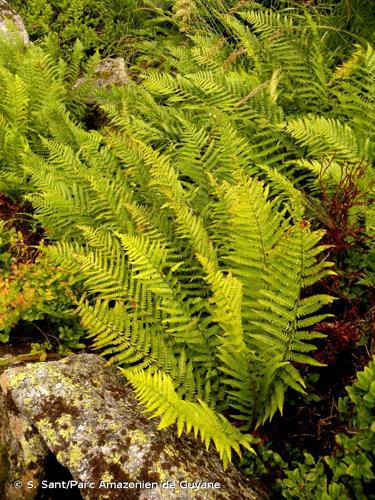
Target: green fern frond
{"points": [[326, 137], [157, 393]]}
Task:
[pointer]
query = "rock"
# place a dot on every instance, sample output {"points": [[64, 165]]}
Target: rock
{"points": [[111, 71], [89, 419], [108, 71], [7, 13], [22, 451]]}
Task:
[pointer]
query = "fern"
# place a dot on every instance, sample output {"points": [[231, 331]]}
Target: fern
{"points": [[174, 299], [183, 220], [157, 393], [36, 100]]}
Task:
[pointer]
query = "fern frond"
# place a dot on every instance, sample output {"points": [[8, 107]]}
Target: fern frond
{"points": [[157, 393], [326, 137]]}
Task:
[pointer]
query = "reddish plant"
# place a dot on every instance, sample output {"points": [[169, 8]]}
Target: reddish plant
{"points": [[333, 210], [346, 237]]}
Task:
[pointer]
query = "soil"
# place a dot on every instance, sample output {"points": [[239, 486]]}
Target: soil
{"points": [[18, 216]]}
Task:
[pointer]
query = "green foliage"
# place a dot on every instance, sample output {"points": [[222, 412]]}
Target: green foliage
{"points": [[340, 22], [310, 481], [157, 393], [42, 349], [68, 335], [70, 338], [184, 220], [300, 116], [105, 25], [266, 463], [35, 89], [37, 16], [199, 284], [352, 464]]}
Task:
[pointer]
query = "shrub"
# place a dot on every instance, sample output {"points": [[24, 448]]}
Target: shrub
{"points": [[106, 26], [30, 288]]}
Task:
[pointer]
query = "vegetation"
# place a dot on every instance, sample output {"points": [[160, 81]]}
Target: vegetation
{"points": [[352, 464], [211, 223]]}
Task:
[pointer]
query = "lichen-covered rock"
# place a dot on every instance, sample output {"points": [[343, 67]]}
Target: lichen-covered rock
{"points": [[89, 418], [22, 450], [108, 71], [111, 70], [7, 13]]}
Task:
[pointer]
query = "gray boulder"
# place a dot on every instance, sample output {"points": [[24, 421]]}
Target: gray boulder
{"points": [[111, 71], [86, 415], [107, 72], [7, 13]]}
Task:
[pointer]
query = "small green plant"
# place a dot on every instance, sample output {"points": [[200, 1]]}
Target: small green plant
{"points": [[70, 338], [348, 473], [31, 289], [309, 481], [265, 464], [41, 348]]}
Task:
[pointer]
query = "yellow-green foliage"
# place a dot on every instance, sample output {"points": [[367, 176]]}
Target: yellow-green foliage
{"points": [[198, 285], [352, 463], [36, 100], [185, 223]]}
